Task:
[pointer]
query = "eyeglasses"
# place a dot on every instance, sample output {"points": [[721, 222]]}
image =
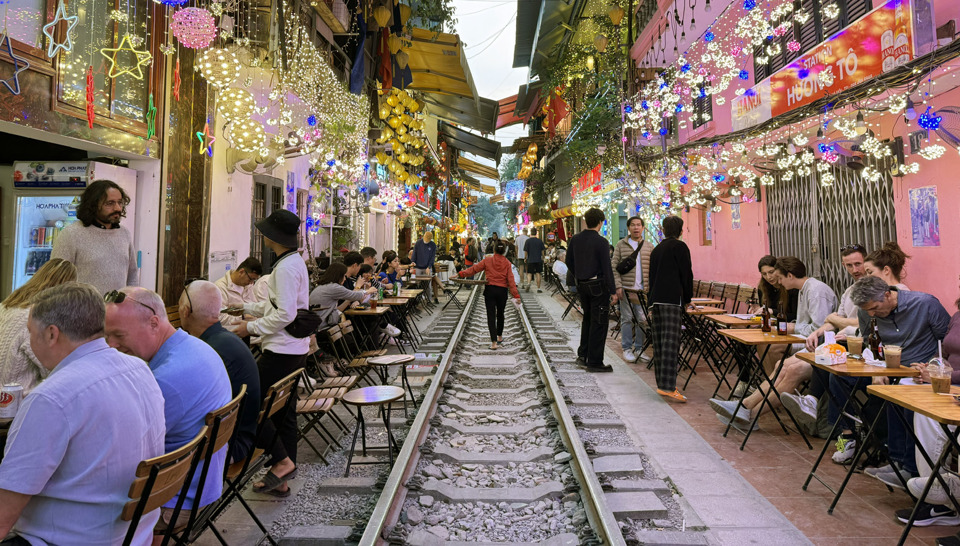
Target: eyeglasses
{"points": [[118, 297], [853, 247], [186, 289]]}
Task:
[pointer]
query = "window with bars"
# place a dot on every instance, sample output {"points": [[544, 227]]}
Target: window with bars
{"points": [[818, 28], [702, 108], [267, 197]]}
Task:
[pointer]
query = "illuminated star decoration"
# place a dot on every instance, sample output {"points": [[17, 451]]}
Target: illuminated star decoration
{"points": [[206, 140], [151, 118], [19, 65], [176, 80], [143, 58], [90, 98], [53, 46]]}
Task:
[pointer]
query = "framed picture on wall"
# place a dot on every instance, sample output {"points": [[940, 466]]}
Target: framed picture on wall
{"points": [[706, 228]]}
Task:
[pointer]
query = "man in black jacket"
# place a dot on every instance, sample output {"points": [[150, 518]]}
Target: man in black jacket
{"points": [[671, 289], [588, 262]]}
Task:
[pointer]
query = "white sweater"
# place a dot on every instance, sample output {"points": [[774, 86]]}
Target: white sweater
{"points": [[18, 364], [289, 290], [104, 257]]}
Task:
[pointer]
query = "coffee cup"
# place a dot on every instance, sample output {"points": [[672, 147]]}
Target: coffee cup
{"points": [[891, 354], [854, 345], [940, 377]]}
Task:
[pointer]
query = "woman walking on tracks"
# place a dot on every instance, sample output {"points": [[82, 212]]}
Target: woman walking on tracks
{"points": [[499, 279]]}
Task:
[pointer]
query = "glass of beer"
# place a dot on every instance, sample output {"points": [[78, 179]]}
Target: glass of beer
{"points": [[855, 345], [891, 353]]}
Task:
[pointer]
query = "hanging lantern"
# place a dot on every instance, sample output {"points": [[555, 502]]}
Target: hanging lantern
{"points": [[589, 62], [381, 158], [235, 103], [247, 135], [393, 44], [402, 59], [384, 111], [616, 15], [382, 15], [393, 101], [394, 122], [219, 66], [405, 12], [193, 27], [415, 107], [600, 42]]}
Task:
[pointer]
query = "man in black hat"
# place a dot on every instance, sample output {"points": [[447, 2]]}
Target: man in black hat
{"points": [[588, 262], [289, 290]]}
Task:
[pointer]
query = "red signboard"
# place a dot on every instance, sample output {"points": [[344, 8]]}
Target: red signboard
{"points": [[589, 182], [877, 43]]}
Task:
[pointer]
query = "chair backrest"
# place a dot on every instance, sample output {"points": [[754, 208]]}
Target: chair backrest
{"points": [[716, 290], [704, 289], [173, 315], [159, 479], [223, 421], [696, 287], [746, 293], [279, 394]]}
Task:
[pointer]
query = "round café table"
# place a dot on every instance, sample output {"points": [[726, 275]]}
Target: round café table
{"points": [[383, 364], [378, 395]]}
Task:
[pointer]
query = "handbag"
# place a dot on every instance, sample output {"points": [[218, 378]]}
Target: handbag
{"points": [[305, 324], [627, 264]]}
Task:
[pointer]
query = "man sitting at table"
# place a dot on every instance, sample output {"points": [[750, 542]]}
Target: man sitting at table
{"points": [[191, 376], [236, 288], [915, 322], [816, 301], [78, 437]]}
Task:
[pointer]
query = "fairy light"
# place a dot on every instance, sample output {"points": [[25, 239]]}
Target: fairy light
{"points": [[235, 103], [219, 67], [193, 27]]}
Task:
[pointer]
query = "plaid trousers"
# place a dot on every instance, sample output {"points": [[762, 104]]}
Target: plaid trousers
{"points": [[666, 344]]}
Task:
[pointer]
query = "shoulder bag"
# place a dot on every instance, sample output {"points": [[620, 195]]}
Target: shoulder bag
{"points": [[628, 263]]}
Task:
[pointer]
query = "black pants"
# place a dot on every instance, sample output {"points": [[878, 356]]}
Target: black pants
{"points": [[495, 298], [595, 298], [274, 367]]}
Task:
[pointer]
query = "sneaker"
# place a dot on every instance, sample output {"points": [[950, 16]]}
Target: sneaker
{"points": [[629, 356], [539, 291], [736, 424], [642, 356], [846, 447], [392, 330], [581, 362], [435, 300], [952, 540], [936, 495], [929, 514], [803, 409], [675, 396], [890, 478], [726, 409], [742, 389]]}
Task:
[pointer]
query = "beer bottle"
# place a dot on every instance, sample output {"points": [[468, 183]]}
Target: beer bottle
{"points": [[781, 323], [765, 318], [874, 340]]}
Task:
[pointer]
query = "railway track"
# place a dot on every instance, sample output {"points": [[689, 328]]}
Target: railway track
{"points": [[494, 454]]}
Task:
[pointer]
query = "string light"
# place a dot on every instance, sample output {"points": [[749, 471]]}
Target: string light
{"points": [[219, 67], [247, 135], [193, 27]]}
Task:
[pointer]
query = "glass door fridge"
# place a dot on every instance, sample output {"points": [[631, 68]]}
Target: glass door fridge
{"points": [[40, 219]]}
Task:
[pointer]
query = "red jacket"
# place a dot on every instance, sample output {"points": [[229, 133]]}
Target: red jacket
{"points": [[499, 273]]}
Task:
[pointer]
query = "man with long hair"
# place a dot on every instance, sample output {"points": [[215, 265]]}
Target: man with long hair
{"points": [[98, 245]]}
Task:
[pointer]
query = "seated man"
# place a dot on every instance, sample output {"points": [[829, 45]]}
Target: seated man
{"points": [[78, 437], [816, 301], [915, 321], [560, 269], [236, 288], [353, 261], [369, 255], [199, 306], [191, 376]]}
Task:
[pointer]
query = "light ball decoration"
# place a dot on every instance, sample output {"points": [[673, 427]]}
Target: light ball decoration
{"points": [[219, 67], [194, 27], [235, 103], [247, 135]]}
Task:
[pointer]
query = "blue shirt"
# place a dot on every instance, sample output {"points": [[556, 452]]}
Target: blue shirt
{"points": [[390, 278], [424, 254], [242, 370], [194, 382], [533, 247], [916, 325], [75, 446]]}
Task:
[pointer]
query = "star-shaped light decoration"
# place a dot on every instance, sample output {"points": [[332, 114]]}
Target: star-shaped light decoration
{"points": [[206, 140], [151, 118], [143, 59], [53, 46], [19, 65]]}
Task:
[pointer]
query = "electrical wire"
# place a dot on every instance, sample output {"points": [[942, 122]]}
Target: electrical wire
{"points": [[498, 4], [493, 40]]}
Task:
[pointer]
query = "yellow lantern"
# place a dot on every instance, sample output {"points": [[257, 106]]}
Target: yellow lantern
{"points": [[404, 13], [394, 143], [403, 58], [403, 96], [616, 15], [532, 149], [406, 119], [590, 62], [402, 157], [401, 129], [392, 100], [386, 134], [404, 138], [398, 110], [393, 43], [394, 121], [384, 112], [403, 176], [416, 106], [382, 158], [382, 15], [600, 42]]}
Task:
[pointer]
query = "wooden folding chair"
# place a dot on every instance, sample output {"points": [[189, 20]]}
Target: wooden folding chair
{"points": [[730, 293], [716, 291], [160, 479]]}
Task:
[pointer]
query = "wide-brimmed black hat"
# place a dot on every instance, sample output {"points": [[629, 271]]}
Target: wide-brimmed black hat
{"points": [[282, 227]]}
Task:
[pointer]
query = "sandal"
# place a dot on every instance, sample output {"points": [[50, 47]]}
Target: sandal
{"points": [[271, 482]]}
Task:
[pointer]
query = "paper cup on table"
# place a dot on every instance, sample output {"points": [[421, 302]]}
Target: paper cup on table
{"points": [[891, 354]]}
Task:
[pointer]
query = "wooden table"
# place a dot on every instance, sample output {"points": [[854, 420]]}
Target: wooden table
{"points": [[384, 362], [370, 312], [705, 301], [377, 395], [393, 301], [366, 332], [699, 311], [730, 321], [942, 409], [746, 339], [410, 292], [861, 371]]}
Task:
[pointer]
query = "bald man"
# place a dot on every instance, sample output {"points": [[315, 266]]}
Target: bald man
{"points": [[199, 309], [191, 376]]}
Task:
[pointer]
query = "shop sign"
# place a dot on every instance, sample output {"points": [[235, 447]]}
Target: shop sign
{"points": [[588, 183], [879, 42]]}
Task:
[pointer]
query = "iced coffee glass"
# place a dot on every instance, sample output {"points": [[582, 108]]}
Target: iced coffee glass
{"points": [[891, 354], [939, 377], [855, 345]]}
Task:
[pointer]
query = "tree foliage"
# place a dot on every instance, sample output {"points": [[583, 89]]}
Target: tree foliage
{"points": [[489, 217]]}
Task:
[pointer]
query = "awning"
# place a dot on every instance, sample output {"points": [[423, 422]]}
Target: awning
{"points": [[439, 66], [477, 168], [475, 185], [469, 142], [508, 115], [464, 111], [541, 29], [565, 212]]}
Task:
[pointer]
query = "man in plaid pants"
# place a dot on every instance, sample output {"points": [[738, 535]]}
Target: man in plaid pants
{"points": [[671, 289]]}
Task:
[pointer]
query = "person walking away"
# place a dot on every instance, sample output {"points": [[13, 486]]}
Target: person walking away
{"points": [[78, 438], [236, 288], [499, 281], [289, 290], [635, 278], [671, 289], [534, 248], [18, 363], [97, 244], [521, 255], [424, 255], [588, 262]]}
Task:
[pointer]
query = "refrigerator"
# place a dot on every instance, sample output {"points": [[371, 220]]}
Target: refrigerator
{"points": [[45, 197]]}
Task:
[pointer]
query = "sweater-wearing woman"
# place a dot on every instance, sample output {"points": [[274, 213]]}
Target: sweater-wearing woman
{"points": [[18, 364], [499, 280], [329, 294]]}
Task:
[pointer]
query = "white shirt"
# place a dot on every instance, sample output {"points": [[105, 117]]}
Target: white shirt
{"points": [[521, 255], [233, 295], [638, 277], [560, 268], [288, 290]]}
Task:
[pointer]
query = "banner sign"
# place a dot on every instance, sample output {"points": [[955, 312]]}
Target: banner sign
{"points": [[589, 182]]}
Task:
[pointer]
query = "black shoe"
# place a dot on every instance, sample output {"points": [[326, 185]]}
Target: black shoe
{"points": [[435, 300], [949, 541], [600, 369], [929, 514], [581, 362]]}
